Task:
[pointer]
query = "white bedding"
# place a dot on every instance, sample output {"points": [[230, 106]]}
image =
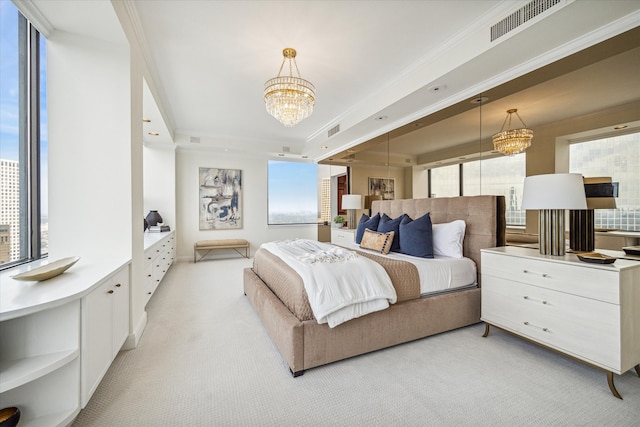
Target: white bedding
{"points": [[437, 274], [340, 284]]}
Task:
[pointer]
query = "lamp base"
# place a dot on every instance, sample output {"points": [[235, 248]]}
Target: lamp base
{"points": [[582, 235], [551, 232], [351, 219]]}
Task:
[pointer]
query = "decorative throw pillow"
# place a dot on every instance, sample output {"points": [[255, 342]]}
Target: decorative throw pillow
{"points": [[366, 222], [387, 224], [448, 238], [416, 236], [376, 241]]}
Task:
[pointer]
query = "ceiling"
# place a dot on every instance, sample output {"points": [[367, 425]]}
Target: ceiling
{"points": [[405, 61]]}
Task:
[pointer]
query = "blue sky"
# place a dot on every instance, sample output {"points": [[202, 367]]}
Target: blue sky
{"points": [[293, 186], [9, 93]]}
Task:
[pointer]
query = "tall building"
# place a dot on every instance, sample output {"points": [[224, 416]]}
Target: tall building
{"points": [[9, 210], [325, 200]]}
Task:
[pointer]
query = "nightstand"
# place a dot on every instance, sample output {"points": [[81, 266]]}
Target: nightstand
{"points": [[343, 236], [589, 312]]}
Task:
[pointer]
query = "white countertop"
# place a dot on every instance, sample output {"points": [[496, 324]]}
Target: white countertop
{"points": [[20, 298]]}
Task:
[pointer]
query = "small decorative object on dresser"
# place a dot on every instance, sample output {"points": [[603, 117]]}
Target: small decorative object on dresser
{"points": [[153, 218], [589, 312]]}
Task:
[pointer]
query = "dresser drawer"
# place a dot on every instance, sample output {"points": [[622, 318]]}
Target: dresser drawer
{"points": [[596, 283], [584, 327]]}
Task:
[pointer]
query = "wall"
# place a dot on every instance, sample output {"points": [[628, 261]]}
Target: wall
{"points": [[254, 201], [89, 148], [160, 183]]}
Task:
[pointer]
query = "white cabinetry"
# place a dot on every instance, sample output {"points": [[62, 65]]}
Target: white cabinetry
{"points": [[159, 254], [105, 326], [343, 236], [40, 365], [588, 311]]}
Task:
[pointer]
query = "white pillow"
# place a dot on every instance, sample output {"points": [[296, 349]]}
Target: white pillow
{"points": [[448, 238]]}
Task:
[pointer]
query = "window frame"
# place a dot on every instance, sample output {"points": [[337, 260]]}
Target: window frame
{"points": [[29, 143]]}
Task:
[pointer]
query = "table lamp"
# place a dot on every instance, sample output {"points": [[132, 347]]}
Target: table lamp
{"points": [[351, 202], [600, 193], [551, 194]]}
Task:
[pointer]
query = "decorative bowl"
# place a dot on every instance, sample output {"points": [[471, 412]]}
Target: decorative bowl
{"points": [[47, 271], [596, 258], [9, 417]]}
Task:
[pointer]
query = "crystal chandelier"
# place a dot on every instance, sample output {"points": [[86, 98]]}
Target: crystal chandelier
{"points": [[512, 141], [289, 99]]}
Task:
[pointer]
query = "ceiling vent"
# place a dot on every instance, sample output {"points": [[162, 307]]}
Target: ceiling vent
{"points": [[333, 130], [520, 16], [286, 149], [194, 139]]}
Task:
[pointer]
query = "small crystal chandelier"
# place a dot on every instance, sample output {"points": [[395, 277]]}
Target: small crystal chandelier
{"points": [[512, 141], [289, 99]]}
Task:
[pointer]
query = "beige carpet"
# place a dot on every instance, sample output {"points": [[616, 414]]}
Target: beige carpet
{"points": [[205, 360]]}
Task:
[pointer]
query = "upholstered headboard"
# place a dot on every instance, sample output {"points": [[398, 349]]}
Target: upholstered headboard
{"points": [[484, 216]]}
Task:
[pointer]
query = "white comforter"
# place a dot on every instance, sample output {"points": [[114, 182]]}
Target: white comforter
{"points": [[340, 284]]}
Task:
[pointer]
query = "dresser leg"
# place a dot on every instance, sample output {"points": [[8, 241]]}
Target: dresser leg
{"points": [[612, 386], [486, 333]]}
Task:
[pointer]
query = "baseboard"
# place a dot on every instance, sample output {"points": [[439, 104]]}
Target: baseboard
{"points": [[133, 339]]}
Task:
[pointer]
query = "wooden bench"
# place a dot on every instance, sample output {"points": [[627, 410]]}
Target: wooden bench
{"points": [[209, 245]]}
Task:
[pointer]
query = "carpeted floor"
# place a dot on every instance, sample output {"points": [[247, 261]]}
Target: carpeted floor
{"points": [[205, 360]]}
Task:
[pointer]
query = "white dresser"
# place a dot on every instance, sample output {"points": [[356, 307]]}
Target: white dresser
{"points": [[590, 312], [343, 236]]}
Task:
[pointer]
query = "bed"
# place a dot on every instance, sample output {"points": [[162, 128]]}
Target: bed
{"points": [[280, 301]]}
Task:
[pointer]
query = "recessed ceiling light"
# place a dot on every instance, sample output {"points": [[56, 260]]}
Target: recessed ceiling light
{"points": [[440, 88], [323, 147], [479, 100], [379, 118], [146, 120], [621, 127], [154, 133]]}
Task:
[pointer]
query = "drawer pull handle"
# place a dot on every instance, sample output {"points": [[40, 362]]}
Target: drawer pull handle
{"points": [[534, 299], [533, 272], [539, 327]]}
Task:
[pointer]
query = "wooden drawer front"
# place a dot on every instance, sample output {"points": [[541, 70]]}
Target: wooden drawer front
{"points": [[586, 328], [595, 283]]}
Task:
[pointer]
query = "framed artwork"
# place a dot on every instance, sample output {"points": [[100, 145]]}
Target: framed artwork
{"points": [[220, 198], [384, 187]]}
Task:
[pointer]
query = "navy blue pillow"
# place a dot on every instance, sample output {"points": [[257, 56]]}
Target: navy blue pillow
{"points": [[366, 222], [416, 236], [386, 225]]}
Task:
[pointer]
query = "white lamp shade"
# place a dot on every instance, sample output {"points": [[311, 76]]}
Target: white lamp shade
{"points": [[351, 201], [554, 191]]}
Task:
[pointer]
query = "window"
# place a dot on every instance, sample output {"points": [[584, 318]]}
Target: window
{"points": [[503, 176], [292, 193], [23, 144], [619, 158]]}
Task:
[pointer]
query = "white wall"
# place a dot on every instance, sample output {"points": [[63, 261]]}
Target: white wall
{"points": [[254, 201], [89, 148], [160, 183]]}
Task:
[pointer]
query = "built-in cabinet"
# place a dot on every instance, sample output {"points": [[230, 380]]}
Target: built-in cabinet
{"points": [[105, 326], [59, 337], [40, 365], [159, 254]]}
